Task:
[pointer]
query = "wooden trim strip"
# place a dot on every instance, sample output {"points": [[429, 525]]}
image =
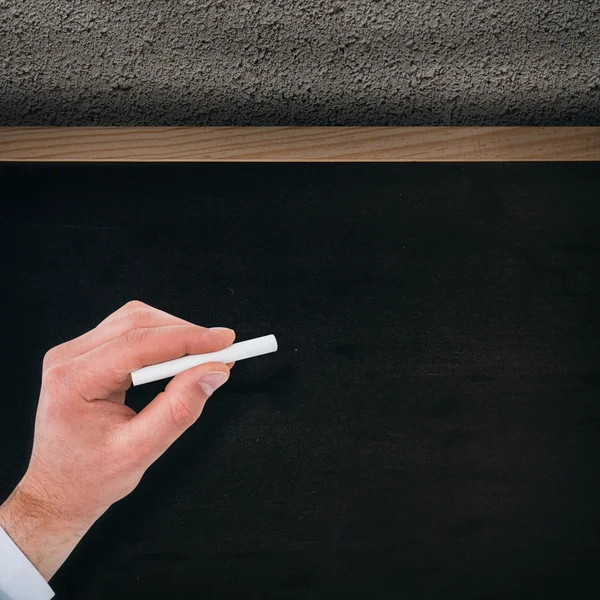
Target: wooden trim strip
{"points": [[303, 144]]}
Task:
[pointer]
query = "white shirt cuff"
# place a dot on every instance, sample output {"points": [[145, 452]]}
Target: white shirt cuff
{"points": [[19, 579]]}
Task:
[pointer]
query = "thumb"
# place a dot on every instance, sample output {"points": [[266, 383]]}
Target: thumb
{"points": [[176, 409]]}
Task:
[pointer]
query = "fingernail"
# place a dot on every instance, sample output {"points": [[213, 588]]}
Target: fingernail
{"points": [[212, 381], [220, 329]]}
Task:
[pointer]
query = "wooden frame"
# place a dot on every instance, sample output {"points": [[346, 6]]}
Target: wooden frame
{"points": [[305, 144]]}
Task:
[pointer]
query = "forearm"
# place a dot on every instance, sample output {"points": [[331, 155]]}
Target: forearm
{"points": [[44, 536]]}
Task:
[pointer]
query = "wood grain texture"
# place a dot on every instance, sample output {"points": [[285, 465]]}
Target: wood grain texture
{"points": [[286, 144]]}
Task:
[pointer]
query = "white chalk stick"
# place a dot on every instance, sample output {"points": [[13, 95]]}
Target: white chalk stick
{"points": [[240, 351]]}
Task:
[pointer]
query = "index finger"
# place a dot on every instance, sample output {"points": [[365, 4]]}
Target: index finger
{"points": [[103, 370], [131, 316], [133, 307]]}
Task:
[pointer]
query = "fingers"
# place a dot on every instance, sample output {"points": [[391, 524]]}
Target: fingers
{"points": [[129, 307], [173, 411], [106, 369], [132, 315]]}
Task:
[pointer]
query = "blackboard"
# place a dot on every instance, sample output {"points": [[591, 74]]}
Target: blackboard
{"points": [[430, 427]]}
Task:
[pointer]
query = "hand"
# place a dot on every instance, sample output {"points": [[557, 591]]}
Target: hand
{"points": [[90, 449]]}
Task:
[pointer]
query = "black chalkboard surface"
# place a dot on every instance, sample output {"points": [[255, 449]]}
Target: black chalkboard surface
{"points": [[430, 427]]}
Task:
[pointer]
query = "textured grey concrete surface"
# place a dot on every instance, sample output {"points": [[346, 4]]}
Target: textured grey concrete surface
{"points": [[322, 62]]}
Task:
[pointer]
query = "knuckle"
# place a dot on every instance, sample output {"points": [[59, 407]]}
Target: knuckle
{"points": [[134, 337], [182, 415], [57, 377], [139, 315], [133, 305], [55, 355], [50, 358]]}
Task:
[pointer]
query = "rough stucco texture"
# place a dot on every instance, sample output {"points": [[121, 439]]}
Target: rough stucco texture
{"points": [[318, 62]]}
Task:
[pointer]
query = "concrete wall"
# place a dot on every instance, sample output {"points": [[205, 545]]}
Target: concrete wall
{"points": [[323, 62]]}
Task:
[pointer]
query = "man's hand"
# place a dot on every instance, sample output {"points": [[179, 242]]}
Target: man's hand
{"points": [[91, 450]]}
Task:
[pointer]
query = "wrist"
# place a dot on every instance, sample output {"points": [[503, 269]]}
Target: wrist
{"points": [[33, 502], [44, 535]]}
